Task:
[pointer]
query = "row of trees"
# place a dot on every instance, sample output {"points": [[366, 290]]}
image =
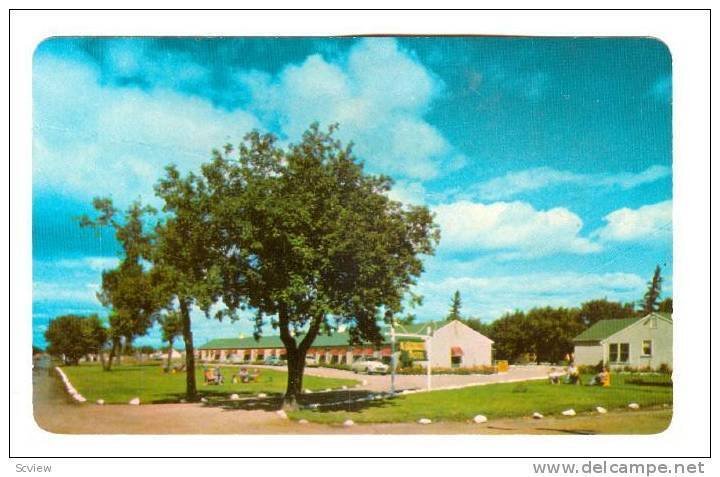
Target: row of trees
{"points": [[547, 332], [299, 235]]}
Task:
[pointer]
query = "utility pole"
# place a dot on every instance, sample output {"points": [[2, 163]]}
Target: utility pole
{"points": [[428, 353], [393, 359]]}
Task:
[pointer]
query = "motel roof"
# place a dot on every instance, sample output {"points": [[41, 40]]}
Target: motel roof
{"points": [[606, 328], [274, 341]]}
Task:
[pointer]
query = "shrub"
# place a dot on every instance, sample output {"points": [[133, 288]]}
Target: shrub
{"points": [[345, 367], [457, 371], [665, 369]]}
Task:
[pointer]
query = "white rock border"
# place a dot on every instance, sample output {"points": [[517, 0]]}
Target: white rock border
{"points": [[69, 387]]}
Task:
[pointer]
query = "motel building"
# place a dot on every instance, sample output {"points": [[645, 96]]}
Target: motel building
{"points": [[452, 344]]}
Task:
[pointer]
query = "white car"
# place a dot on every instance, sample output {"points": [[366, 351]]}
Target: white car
{"points": [[370, 366]]}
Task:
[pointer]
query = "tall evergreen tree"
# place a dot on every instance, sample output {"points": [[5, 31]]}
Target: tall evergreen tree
{"points": [[650, 299], [455, 305]]}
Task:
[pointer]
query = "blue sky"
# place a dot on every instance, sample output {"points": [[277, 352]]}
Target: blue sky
{"points": [[546, 161]]}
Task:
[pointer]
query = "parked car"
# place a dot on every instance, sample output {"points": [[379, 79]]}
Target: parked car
{"points": [[273, 361], [370, 366]]}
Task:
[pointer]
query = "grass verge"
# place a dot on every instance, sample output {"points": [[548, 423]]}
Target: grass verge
{"points": [[497, 401], [152, 385]]}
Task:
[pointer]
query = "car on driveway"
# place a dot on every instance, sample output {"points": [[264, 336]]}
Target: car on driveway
{"points": [[273, 361], [370, 366]]}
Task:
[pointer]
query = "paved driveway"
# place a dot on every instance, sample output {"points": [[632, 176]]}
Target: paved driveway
{"points": [[417, 382]]}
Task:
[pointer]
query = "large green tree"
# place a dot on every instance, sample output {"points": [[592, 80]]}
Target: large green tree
{"points": [[128, 290], [311, 241], [73, 336], [602, 309], [187, 259]]}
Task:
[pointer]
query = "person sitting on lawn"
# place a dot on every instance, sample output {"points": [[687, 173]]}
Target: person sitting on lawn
{"points": [[218, 376], [602, 378], [241, 376], [209, 376], [573, 375], [554, 376]]}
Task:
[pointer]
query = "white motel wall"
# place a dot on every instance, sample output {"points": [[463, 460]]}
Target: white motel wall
{"points": [[475, 348], [653, 330]]}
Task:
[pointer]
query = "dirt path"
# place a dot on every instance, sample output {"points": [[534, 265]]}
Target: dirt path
{"points": [[56, 413]]}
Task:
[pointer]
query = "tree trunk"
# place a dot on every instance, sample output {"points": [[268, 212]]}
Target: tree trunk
{"points": [[113, 351], [295, 356], [190, 384], [169, 355], [101, 356]]}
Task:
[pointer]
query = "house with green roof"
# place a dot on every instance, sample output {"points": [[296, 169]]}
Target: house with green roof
{"points": [[636, 342], [451, 343]]}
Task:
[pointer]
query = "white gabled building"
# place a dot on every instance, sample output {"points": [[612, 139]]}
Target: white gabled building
{"points": [[454, 344], [636, 342]]}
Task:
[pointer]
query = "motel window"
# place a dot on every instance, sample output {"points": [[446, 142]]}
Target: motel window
{"points": [[647, 348], [456, 361], [613, 353], [624, 352]]}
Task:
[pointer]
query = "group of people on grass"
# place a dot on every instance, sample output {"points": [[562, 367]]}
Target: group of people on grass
{"points": [[215, 376], [571, 375]]}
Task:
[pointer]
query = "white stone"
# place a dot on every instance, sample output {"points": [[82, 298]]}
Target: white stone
{"points": [[314, 406], [100, 402], [479, 419], [344, 387], [634, 405], [569, 412], [234, 397], [262, 395], [134, 402], [537, 415], [183, 401], [203, 400], [348, 423], [601, 410], [378, 397], [281, 414], [424, 420], [328, 390], [307, 391], [303, 421]]}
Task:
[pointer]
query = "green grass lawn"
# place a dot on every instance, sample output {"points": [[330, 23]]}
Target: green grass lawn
{"points": [[499, 400], [150, 384]]}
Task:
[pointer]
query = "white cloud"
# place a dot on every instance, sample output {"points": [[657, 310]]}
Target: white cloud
{"points": [[516, 229], [408, 192], [378, 94], [91, 139], [647, 223], [96, 264], [64, 291], [491, 296], [518, 182]]}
